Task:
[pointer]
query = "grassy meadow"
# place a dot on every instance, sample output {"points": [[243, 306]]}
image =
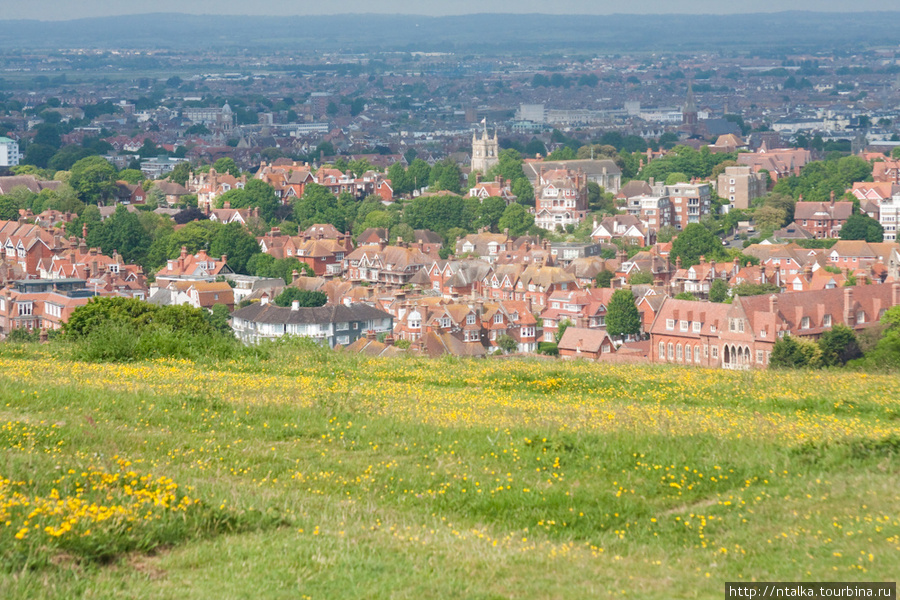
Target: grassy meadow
{"points": [[310, 474]]}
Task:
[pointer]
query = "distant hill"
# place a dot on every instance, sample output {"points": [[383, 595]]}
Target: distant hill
{"points": [[469, 33]]}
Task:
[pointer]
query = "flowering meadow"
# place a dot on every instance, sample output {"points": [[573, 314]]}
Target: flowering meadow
{"points": [[309, 474]]}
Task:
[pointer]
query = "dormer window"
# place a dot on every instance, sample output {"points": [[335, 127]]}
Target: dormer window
{"points": [[498, 318], [861, 317], [826, 321], [804, 323]]}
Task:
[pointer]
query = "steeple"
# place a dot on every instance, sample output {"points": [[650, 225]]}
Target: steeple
{"points": [[689, 112]]}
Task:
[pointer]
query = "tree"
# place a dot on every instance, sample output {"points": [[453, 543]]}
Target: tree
{"points": [[695, 241], [718, 291], [838, 346], [227, 165], [685, 296], [400, 180], [641, 278], [790, 353], [121, 232], [507, 343], [604, 278], [93, 179], [438, 213], [561, 329], [255, 194], [237, 243], [319, 205], [862, 227], [132, 176], [770, 218], [674, 178], [306, 298], [622, 317], [419, 173], [490, 211], [180, 173], [9, 208], [516, 219], [754, 289]]}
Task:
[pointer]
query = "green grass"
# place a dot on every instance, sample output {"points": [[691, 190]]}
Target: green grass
{"points": [[324, 476]]}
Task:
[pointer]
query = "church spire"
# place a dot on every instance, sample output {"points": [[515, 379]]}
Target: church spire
{"points": [[689, 112]]}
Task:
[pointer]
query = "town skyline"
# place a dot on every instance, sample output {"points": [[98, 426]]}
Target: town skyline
{"points": [[55, 10]]}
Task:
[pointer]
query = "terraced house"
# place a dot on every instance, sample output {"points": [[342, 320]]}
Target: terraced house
{"points": [[742, 335]]}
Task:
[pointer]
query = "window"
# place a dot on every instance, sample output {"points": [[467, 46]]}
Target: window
{"points": [[683, 325], [759, 357], [697, 354], [804, 323], [671, 351], [25, 308], [662, 350], [670, 324], [498, 318], [687, 354], [678, 352], [715, 352], [696, 326], [470, 320], [860, 316]]}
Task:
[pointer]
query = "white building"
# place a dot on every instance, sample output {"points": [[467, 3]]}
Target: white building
{"points": [[889, 217], [9, 152]]}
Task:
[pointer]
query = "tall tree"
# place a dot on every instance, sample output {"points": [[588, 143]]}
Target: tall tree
{"points": [[696, 241], [622, 316], [93, 179]]}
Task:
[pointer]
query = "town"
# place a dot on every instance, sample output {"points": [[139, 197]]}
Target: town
{"points": [[692, 209]]}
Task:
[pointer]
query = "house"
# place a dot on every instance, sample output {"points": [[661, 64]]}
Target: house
{"points": [[560, 198], [602, 171], [591, 344], [38, 304], [628, 228], [779, 163], [332, 324], [192, 267], [743, 334], [583, 308], [887, 170], [391, 266], [486, 246], [822, 219], [499, 188], [697, 279]]}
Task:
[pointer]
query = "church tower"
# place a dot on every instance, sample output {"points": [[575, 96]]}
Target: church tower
{"points": [[689, 112], [485, 151]]}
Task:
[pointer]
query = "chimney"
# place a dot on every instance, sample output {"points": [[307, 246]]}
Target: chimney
{"points": [[84, 231], [678, 262], [651, 181], [370, 335], [702, 259], [382, 244], [94, 269], [227, 204], [224, 259], [773, 304], [832, 198], [295, 305], [848, 306], [895, 293], [295, 275], [389, 340]]}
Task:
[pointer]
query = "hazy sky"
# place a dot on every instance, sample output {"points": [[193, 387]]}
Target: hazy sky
{"points": [[69, 9]]}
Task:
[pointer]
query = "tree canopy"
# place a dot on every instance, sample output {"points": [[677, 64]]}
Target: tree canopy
{"points": [[622, 316]]}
